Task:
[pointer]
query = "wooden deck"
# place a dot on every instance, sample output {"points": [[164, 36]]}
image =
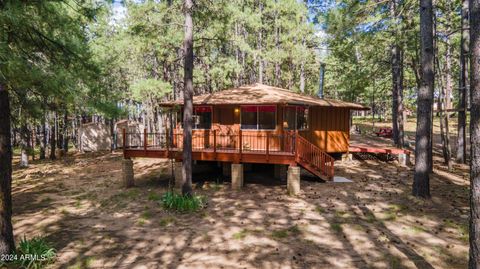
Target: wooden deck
{"points": [[373, 144], [211, 155], [289, 149]]}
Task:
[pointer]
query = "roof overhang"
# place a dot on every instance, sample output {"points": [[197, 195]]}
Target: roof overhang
{"points": [[259, 94]]}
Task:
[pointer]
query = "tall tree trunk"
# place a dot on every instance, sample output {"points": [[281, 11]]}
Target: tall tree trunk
{"points": [[302, 70], [441, 106], [58, 131], [64, 132], [277, 48], [448, 99], [397, 96], [53, 142], [7, 244], [448, 71], [32, 141], [474, 261], [188, 99], [421, 180], [43, 141], [14, 136], [397, 86], [462, 87], [259, 48], [24, 137]]}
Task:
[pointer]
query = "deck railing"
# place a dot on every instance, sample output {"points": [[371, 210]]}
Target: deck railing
{"points": [[310, 154], [289, 144], [265, 142]]}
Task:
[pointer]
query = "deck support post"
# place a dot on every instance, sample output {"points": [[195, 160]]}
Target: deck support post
{"points": [[280, 171], [404, 159], [226, 169], [293, 180], [178, 174], [237, 176], [127, 173]]}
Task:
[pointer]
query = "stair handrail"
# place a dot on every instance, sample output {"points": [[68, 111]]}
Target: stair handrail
{"points": [[307, 152]]}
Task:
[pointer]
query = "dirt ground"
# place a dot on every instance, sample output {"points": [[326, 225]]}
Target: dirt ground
{"points": [[79, 205]]}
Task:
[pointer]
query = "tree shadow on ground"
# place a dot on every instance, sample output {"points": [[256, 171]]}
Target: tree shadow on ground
{"points": [[94, 222]]}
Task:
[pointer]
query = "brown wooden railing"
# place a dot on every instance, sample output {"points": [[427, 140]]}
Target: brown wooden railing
{"points": [[266, 142], [314, 159], [290, 144]]}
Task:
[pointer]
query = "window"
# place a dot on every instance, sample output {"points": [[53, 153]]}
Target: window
{"points": [[266, 117], [249, 117], [295, 118], [202, 117], [258, 117]]}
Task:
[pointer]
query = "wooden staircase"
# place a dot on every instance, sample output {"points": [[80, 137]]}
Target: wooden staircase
{"points": [[313, 159]]}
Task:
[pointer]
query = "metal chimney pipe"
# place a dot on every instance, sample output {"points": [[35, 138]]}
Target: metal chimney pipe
{"points": [[321, 82]]}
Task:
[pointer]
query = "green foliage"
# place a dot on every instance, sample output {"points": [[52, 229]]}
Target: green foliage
{"points": [[240, 235], [147, 89], [45, 55], [144, 48], [359, 37], [34, 253], [284, 233], [153, 196], [336, 227], [182, 203]]}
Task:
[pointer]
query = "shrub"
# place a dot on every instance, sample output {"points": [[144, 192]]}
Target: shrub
{"points": [[184, 203], [152, 196], [34, 253]]}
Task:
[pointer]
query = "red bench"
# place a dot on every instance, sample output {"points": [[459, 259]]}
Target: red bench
{"points": [[385, 132]]}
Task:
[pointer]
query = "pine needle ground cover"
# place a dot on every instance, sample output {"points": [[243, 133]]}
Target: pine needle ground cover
{"points": [[92, 221]]}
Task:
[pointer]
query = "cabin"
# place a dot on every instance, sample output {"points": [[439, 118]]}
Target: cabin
{"points": [[130, 126], [255, 124], [94, 137]]}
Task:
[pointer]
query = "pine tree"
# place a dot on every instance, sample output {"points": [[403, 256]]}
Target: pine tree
{"points": [[474, 261], [188, 99], [421, 180]]}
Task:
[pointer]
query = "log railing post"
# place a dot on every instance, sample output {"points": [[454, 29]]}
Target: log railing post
{"points": [[215, 142], [296, 141], [268, 145], [240, 143], [167, 142]]}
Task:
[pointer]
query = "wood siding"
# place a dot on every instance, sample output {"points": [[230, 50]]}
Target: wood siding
{"points": [[328, 129]]}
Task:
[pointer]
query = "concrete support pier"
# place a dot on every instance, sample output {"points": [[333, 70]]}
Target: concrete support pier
{"points": [[404, 159], [237, 176], [280, 171], [127, 173], [178, 174], [293, 180]]}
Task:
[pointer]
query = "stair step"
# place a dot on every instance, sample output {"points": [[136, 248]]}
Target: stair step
{"points": [[312, 169]]}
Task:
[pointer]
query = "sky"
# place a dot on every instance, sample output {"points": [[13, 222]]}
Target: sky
{"points": [[119, 11]]}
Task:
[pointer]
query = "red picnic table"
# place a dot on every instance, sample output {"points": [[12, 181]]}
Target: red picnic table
{"points": [[385, 132]]}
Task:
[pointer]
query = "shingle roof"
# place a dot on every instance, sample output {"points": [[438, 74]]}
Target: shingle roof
{"points": [[264, 94]]}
